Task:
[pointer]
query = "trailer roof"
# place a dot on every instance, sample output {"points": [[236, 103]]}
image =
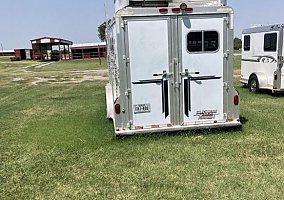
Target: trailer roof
{"points": [[260, 29], [119, 4]]}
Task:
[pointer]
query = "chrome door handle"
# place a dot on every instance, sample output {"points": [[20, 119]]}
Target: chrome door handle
{"points": [[186, 73], [164, 74]]}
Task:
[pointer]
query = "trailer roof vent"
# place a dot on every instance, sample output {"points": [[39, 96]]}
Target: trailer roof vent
{"points": [[147, 3]]}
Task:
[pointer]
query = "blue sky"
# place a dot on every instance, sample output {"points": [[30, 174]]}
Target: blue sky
{"points": [[23, 20]]}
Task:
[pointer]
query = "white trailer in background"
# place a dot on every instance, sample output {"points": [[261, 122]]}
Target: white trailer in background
{"points": [[262, 58], [171, 66]]}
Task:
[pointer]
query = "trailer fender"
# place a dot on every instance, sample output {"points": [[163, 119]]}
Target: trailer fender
{"points": [[261, 77], [109, 102]]}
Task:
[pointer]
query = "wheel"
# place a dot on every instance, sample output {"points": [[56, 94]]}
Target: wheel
{"points": [[253, 84]]}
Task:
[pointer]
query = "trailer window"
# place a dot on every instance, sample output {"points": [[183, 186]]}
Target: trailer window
{"points": [[203, 41], [247, 43], [270, 42], [211, 41], [194, 41]]}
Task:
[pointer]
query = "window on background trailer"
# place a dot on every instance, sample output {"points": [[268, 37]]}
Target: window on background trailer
{"points": [[247, 43], [270, 42], [203, 41]]}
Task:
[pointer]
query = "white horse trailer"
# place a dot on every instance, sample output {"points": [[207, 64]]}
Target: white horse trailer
{"points": [[262, 58], [171, 66]]}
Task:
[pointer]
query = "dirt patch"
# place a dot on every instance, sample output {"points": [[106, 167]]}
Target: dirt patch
{"points": [[98, 71], [43, 65], [18, 79], [41, 80]]}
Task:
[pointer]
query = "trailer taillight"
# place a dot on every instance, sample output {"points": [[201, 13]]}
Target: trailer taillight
{"points": [[188, 9], [163, 10], [236, 100], [176, 9], [117, 109]]}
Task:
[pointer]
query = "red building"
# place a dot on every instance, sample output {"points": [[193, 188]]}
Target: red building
{"points": [[7, 53], [23, 54], [48, 48], [89, 50]]}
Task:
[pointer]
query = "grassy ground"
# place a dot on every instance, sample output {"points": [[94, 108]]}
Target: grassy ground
{"points": [[237, 51], [57, 144], [237, 65], [74, 65], [34, 72]]}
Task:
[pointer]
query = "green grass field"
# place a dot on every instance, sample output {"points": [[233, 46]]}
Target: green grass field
{"points": [[57, 144], [89, 64]]}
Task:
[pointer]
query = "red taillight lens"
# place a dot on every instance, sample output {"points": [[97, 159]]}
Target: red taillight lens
{"points": [[117, 108], [163, 10], [188, 9], [176, 9], [236, 100]]}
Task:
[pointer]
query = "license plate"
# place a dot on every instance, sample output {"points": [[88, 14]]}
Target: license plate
{"points": [[142, 108]]}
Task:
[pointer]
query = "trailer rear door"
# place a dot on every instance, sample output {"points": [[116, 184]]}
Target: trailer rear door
{"points": [[202, 57], [176, 70], [148, 47]]}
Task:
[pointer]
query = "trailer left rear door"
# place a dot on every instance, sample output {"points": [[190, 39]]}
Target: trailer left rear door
{"points": [[148, 47]]}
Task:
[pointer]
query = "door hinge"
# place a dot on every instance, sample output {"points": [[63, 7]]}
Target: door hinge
{"points": [[227, 54], [123, 24], [126, 60], [227, 21], [127, 92], [226, 86]]}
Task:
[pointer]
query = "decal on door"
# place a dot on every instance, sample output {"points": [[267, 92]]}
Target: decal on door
{"points": [[165, 93], [206, 114], [187, 90]]}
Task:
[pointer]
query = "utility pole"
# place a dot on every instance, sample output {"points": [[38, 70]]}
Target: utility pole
{"points": [[2, 49]]}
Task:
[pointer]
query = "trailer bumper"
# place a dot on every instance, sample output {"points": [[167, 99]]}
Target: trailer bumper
{"points": [[277, 90], [179, 128]]}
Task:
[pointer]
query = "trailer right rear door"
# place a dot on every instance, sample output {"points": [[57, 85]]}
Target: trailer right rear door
{"points": [[202, 60]]}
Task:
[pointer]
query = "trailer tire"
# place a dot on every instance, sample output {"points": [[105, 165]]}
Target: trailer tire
{"points": [[253, 84]]}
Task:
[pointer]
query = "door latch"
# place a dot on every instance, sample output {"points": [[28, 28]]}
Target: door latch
{"points": [[187, 73], [164, 74]]}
